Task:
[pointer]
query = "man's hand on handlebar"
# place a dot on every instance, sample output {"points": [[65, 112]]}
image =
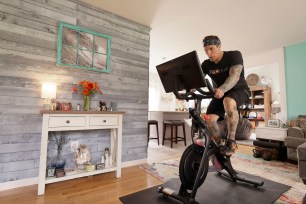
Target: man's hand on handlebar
{"points": [[218, 93]]}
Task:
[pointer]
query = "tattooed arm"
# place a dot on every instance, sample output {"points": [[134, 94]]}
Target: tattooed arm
{"points": [[230, 82], [232, 79]]}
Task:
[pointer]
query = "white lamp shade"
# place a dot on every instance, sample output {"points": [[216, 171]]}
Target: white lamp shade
{"points": [[48, 90]]}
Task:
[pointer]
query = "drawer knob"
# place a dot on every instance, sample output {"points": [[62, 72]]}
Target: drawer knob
{"points": [[104, 121], [67, 121]]}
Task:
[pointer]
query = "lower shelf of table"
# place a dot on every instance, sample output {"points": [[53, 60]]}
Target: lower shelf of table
{"points": [[79, 174]]}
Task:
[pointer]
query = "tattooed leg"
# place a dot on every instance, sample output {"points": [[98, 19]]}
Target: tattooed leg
{"points": [[232, 117], [214, 127], [230, 105]]}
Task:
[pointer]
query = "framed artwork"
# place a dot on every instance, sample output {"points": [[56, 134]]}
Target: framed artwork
{"points": [[274, 123], [82, 48], [100, 166]]}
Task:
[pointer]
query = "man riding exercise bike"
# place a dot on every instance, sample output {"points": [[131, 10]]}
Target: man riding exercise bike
{"points": [[185, 73], [226, 69]]}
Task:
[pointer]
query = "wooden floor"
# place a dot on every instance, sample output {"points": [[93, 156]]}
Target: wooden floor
{"points": [[103, 188]]}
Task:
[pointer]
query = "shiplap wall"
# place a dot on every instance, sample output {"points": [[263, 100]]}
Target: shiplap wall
{"points": [[28, 31]]}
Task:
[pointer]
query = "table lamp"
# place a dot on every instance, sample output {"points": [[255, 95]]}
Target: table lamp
{"points": [[48, 91]]}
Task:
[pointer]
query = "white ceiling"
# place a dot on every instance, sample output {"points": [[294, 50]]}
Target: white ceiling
{"points": [[178, 26]]}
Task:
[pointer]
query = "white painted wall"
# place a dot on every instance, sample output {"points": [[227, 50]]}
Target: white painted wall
{"points": [[267, 64], [159, 100]]}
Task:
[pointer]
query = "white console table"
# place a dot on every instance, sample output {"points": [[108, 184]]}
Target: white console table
{"points": [[80, 120]]}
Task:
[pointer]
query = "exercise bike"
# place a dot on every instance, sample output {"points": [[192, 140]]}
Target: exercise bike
{"points": [[194, 163]]}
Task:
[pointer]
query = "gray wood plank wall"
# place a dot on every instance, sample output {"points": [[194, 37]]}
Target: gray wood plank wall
{"points": [[28, 33]]}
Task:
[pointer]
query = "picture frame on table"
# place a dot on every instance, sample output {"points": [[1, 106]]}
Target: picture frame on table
{"points": [[275, 123], [66, 106], [50, 172]]}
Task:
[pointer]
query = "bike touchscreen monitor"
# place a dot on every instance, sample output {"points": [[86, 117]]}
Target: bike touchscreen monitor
{"points": [[186, 70]]}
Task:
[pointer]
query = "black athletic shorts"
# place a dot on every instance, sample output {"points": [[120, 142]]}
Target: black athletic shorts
{"points": [[241, 96]]}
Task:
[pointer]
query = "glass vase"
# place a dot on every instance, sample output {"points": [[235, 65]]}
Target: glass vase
{"points": [[58, 162], [86, 106]]}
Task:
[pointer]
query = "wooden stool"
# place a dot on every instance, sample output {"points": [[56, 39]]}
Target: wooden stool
{"points": [[153, 122], [174, 123]]}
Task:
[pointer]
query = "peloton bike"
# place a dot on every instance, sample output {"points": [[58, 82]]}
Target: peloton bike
{"points": [[185, 74]]}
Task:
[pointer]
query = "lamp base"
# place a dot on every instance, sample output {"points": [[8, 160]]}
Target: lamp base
{"points": [[46, 106]]}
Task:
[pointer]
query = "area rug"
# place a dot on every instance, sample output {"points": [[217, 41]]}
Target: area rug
{"points": [[281, 172]]}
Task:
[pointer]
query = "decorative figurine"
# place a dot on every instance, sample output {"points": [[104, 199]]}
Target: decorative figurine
{"points": [[53, 104], [103, 106], [110, 160], [58, 106], [82, 157], [106, 156]]}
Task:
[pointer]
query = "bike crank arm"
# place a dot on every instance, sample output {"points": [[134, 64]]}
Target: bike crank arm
{"points": [[243, 179]]}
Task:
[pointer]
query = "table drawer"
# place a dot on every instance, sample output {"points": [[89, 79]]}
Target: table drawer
{"points": [[64, 121], [103, 120]]}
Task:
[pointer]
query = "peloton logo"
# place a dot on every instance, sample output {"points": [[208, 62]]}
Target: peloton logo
{"points": [[218, 71]]}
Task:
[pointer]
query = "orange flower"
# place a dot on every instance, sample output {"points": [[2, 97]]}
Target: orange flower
{"points": [[95, 86], [87, 88], [85, 84], [86, 92]]}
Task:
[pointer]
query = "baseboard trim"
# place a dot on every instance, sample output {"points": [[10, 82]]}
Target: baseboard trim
{"points": [[18, 183], [34, 181]]}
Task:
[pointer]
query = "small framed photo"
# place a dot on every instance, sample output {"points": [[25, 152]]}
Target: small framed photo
{"points": [[100, 166], [50, 172], [274, 123], [66, 106], [59, 173]]}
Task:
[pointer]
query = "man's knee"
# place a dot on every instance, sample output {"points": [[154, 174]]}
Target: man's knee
{"points": [[229, 104], [230, 107], [212, 118]]}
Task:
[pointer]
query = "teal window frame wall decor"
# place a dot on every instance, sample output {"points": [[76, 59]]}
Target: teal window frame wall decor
{"points": [[83, 48]]}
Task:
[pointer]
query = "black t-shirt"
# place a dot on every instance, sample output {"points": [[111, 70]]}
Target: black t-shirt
{"points": [[220, 71]]}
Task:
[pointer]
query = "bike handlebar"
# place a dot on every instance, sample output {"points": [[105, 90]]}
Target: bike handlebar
{"points": [[189, 95]]}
